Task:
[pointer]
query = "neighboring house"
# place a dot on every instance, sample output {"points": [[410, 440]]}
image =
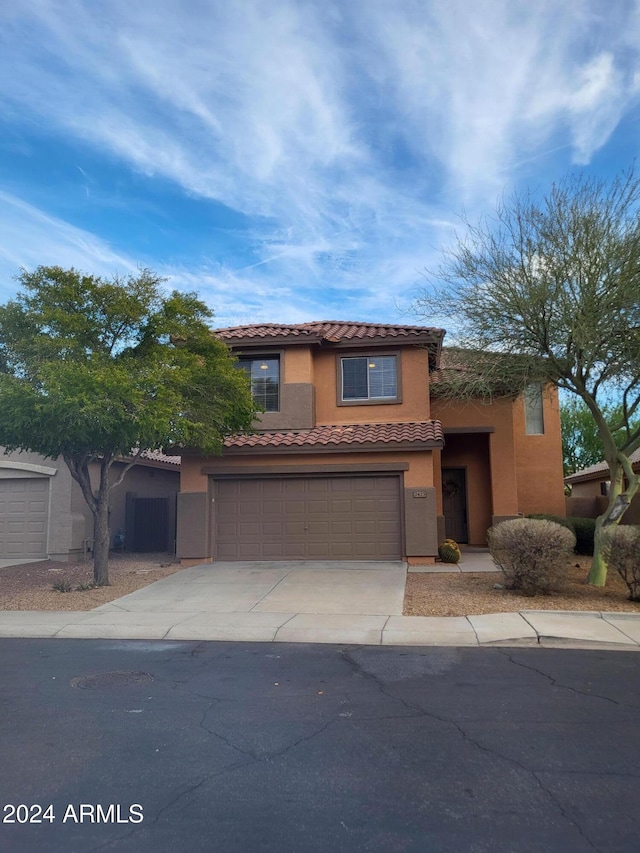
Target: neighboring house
{"points": [[43, 512], [590, 489], [356, 457]]}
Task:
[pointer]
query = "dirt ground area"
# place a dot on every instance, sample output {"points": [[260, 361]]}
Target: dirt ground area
{"points": [[473, 594], [30, 586]]}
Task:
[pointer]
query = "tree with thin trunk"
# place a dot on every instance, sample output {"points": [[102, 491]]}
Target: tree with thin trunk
{"points": [[548, 290], [97, 371]]}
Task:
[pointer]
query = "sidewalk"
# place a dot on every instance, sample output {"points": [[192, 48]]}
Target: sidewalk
{"points": [[567, 629], [315, 603]]}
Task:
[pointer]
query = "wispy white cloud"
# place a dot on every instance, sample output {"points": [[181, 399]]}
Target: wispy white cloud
{"points": [[31, 237], [350, 132]]}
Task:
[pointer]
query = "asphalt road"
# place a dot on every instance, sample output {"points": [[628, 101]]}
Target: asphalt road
{"points": [[240, 747]]}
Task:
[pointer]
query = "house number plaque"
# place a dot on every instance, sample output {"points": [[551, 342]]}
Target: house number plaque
{"points": [[419, 494]]}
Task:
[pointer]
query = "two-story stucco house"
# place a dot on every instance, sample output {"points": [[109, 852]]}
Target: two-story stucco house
{"points": [[357, 458]]}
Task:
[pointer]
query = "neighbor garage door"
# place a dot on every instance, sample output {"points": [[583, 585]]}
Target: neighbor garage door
{"points": [[322, 518], [24, 509]]}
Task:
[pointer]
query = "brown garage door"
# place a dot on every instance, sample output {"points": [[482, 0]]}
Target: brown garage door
{"points": [[24, 509], [322, 518]]}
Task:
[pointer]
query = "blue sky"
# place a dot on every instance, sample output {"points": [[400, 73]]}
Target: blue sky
{"points": [[294, 160]]}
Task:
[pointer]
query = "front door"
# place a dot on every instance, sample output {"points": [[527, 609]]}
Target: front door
{"points": [[454, 503]]}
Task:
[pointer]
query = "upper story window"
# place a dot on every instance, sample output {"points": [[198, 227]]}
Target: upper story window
{"points": [[265, 381], [533, 415], [369, 378]]}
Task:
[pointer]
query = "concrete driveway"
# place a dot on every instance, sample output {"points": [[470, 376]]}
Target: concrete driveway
{"points": [[299, 601], [12, 561], [359, 588]]}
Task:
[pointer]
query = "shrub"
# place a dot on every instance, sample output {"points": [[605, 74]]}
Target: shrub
{"points": [[624, 557], [556, 519], [584, 529], [532, 553], [86, 585], [62, 586]]}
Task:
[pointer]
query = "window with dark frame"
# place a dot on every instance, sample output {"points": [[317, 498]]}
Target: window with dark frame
{"points": [[369, 378], [264, 374]]}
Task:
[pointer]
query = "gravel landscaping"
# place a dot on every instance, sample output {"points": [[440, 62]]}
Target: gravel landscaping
{"points": [[441, 594], [30, 586]]}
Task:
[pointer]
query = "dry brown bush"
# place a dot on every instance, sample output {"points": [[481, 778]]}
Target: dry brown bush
{"points": [[624, 557], [531, 553]]}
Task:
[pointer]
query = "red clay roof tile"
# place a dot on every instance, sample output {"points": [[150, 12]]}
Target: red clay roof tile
{"points": [[158, 456], [340, 434], [332, 331]]}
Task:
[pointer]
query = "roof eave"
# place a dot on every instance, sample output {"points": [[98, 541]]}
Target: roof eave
{"points": [[353, 447]]}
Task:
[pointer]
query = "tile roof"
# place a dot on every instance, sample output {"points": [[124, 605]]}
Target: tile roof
{"points": [[333, 435], [330, 331], [158, 456], [592, 472]]}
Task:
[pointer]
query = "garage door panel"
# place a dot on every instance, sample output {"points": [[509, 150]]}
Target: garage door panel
{"points": [[341, 528], [24, 517], [273, 508], [249, 529], [294, 487], [358, 518]]}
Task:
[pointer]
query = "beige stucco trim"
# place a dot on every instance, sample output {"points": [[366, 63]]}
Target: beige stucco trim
{"points": [[20, 469]]}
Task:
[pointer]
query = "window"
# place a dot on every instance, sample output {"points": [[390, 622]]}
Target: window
{"points": [[265, 381], [369, 378], [534, 421]]}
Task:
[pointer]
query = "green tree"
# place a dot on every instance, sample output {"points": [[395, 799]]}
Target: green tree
{"points": [[581, 444], [98, 370], [554, 284]]}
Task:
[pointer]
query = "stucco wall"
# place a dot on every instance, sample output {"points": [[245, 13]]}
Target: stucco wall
{"points": [[485, 446], [589, 489], [412, 368], [526, 470], [539, 459]]}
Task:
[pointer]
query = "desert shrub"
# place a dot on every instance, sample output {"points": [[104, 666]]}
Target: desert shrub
{"points": [[556, 519], [532, 553], [624, 557], [584, 529], [62, 586]]}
